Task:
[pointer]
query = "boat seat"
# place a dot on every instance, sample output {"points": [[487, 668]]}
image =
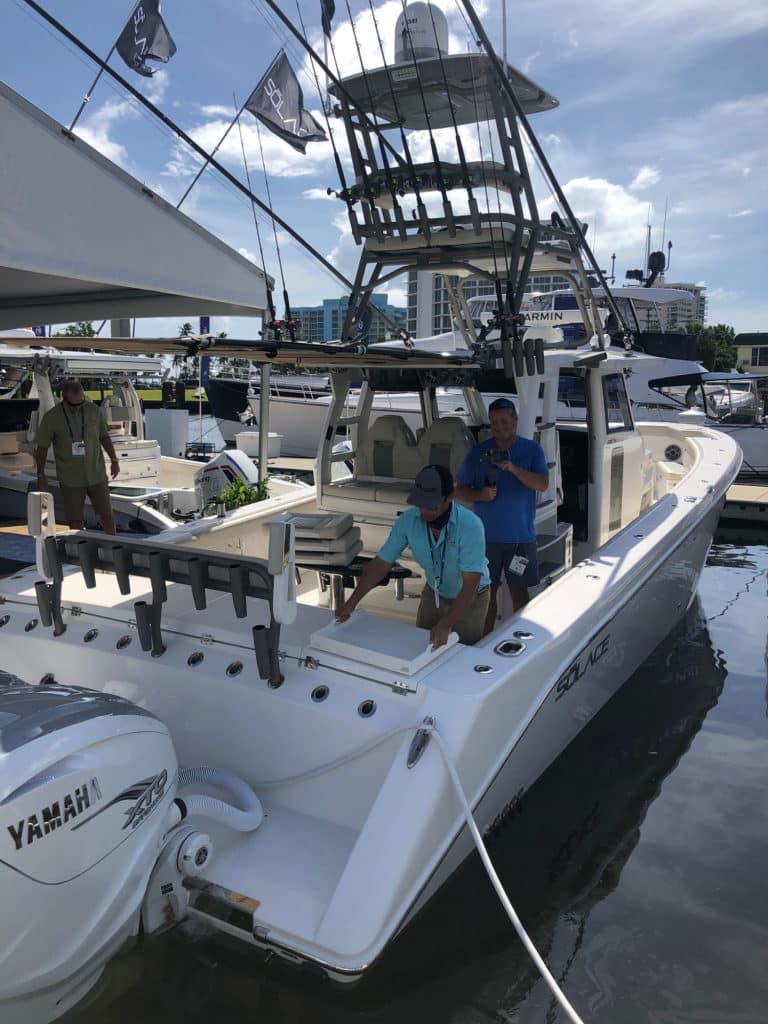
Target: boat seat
{"points": [[445, 442], [386, 464]]}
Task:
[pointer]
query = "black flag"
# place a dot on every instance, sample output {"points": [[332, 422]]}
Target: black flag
{"points": [[327, 11], [278, 102], [145, 36]]}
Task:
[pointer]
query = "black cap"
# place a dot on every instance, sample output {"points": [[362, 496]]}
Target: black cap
{"points": [[431, 487]]}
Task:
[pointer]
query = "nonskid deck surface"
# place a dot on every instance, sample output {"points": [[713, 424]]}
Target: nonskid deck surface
{"points": [[290, 865]]}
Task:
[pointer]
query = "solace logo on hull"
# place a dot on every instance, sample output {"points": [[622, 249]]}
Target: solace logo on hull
{"points": [[583, 663], [57, 814]]}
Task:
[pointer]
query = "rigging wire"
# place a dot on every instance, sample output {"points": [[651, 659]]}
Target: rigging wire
{"points": [[289, 320], [420, 206], [270, 300], [447, 209], [336, 157]]}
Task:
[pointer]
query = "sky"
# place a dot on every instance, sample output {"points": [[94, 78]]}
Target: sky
{"points": [[662, 121]]}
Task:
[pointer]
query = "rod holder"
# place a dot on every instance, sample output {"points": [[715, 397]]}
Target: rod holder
{"points": [[539, 346], [517, 355], [148, 627], [237, 585], [122, 563], [530, 357], [157, 568], [265, 640], [87, 553], [49, 605], [197, 583]]}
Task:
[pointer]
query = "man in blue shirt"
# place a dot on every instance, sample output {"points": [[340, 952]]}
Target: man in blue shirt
{"points": [[449, 544], [501, 476]]}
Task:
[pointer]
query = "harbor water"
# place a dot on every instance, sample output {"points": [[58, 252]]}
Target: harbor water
{"points": [[637, 864]]}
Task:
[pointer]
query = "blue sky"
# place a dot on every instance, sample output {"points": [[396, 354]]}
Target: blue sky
{"points": [[662, 104]]}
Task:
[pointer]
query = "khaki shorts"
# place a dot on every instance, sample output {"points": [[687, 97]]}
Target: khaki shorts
{"points": [[73, 499], [472, 624]]}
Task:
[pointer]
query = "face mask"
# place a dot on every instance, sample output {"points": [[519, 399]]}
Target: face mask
{"points": [[442, 519]]}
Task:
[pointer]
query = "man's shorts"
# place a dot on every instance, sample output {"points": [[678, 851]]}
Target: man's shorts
{"points": [[470, 626], [73, 499], [500, 555]]}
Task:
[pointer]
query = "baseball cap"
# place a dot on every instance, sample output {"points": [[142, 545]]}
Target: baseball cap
{"points": [[502, 403], [431, 487]]}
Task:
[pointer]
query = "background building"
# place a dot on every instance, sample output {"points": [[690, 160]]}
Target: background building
{"points": [[325, 322], [752, 352], [429, 311]]}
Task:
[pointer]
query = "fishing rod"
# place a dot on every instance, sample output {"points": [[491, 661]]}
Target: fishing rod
{"points": [[270, 299], [505, 84], [420, 207]]}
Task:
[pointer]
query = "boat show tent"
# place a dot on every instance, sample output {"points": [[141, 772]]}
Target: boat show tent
{"points": [[80, 239]]}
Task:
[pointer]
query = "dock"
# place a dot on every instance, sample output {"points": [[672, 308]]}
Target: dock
{"points": [[747, 503]]}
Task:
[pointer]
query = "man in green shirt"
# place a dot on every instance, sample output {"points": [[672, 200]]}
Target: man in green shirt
{"points": [[78, 431]]}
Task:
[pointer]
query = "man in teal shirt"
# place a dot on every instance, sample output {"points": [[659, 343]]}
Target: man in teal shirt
{"points": [[448, 542]]}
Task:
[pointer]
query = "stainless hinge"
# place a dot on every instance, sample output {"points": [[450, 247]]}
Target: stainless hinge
{"points": [[309, 662], [207, 639], [75, 610], [398, 686], [2, 599]]}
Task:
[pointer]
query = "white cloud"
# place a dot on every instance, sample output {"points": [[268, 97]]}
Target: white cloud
{"points": [[318, 193], [741, 213], [646, 177]]}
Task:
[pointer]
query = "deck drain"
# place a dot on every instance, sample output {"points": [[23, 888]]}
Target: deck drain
{"points": [[123, 642], [320, 693], [510, 648], [234, 668], [29, 626], [90, 636], [366, 708], [4, 620], [483, 668], [196, 658]]}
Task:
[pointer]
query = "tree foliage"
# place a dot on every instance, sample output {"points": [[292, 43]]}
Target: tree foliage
{"points": [[714, 345], [82, 329]]}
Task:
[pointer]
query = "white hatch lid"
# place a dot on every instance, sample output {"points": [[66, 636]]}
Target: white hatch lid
{"points": [[385, 643]]}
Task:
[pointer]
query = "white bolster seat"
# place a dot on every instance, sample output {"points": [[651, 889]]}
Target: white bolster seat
{"points": [[385, 465], [446, 442]]}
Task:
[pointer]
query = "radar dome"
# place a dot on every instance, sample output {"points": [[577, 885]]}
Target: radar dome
{"points": [[421, 31]]}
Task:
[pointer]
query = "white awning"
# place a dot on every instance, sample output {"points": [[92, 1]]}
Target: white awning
{"points": [[80, 239]]}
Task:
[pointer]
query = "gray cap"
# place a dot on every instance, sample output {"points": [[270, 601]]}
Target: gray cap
{"points": [[431, 487]]}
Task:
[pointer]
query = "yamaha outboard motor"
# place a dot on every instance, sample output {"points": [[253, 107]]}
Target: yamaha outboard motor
{"points": [[87, 788]]}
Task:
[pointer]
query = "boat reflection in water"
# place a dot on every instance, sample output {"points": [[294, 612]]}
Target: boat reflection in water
{"points": [[559, 852]]}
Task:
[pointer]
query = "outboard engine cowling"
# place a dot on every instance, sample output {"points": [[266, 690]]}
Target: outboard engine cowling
{"points": [[221, 471], [87, 788]]}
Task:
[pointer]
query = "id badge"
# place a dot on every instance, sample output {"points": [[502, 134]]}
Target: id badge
{"points": [[518, 565], [78, 448]]}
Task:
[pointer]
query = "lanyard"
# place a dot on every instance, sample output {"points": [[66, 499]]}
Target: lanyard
{"points": [[432, 545], [82, 424]]}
